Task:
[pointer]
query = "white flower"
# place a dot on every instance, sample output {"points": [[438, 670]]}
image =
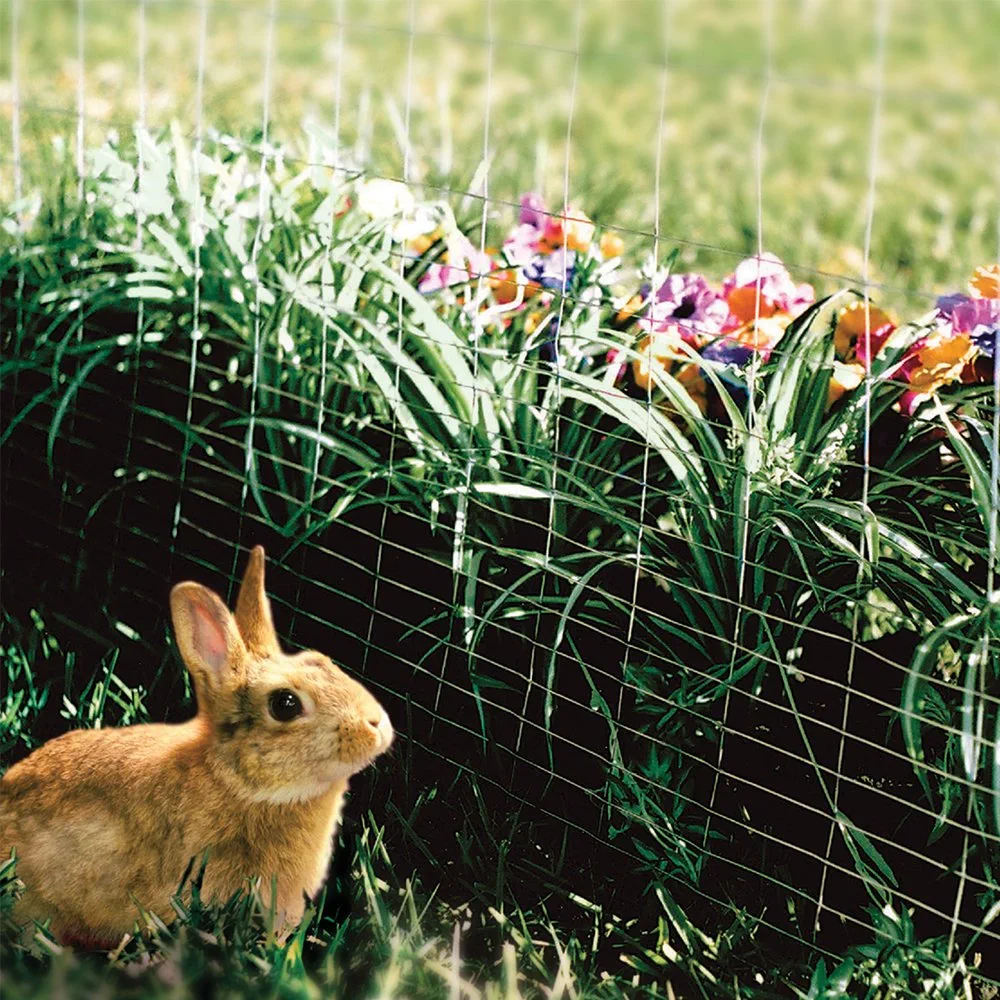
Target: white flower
{"points": [[423, 220], [382, 199]]}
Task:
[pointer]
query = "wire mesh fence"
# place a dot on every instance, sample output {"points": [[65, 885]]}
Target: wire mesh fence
{"points": [[694, 588]]}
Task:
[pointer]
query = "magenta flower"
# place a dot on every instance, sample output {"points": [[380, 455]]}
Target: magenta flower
{"points": [[465, 263], [778, 292], [688, 302], [532, 210], [522, 244], [965, 313]]}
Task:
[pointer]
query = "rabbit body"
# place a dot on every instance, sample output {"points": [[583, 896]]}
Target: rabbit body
{"points": [[103, 820]]}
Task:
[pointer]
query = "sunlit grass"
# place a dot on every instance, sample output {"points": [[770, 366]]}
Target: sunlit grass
{"points": [[812, 88], [809, 85]]}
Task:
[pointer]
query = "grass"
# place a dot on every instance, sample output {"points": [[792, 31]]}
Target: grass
{"points": [[340, 465], [935, 205], [597, 622], [377, 932]]}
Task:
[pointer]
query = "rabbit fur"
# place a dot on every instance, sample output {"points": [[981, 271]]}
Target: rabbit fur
{"points": [[106, 821]]}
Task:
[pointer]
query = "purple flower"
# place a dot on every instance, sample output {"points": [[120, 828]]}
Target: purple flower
{"points": [[554, 270], [946, 303], [966, 314], [731, 356], [986, 337], [726, 351], [548, 349], [532, 210], [687, 301]]}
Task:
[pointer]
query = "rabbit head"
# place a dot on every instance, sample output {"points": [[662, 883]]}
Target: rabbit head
{"points": [[280, 727]]}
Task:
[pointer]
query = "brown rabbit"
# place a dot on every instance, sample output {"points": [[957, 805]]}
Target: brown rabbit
{"points": [[102, 820]]}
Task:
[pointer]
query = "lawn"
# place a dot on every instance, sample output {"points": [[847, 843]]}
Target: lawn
{"points": [[804, 72], [675, 575]]}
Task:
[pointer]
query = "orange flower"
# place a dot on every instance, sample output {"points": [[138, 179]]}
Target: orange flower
{"points": [[504, 286], [421, 244], [657, 353], [764, 334], [691, 378], [575, 231], [985, 283], [852, 323], [941, 361], [845, 378], [743, 304], [628, 310], [612, 245]]}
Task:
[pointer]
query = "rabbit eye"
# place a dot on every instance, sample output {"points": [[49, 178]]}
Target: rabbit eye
{"points": [[284, 705]]}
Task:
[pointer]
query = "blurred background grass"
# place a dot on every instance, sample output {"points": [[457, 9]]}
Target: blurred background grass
{"points": [[937, 178]]}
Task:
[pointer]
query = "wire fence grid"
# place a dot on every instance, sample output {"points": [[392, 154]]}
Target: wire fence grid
{"points": [[611, 650]]}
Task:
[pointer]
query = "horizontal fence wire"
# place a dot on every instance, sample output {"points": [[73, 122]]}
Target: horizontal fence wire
{"points": [[636, 816], [767, 711], [667, 238], [225, 375], [209, 434], [650, 611], [560, 696], [726, 817]]}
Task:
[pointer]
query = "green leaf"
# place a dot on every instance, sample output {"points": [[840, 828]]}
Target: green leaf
{"points": [[68, 396], [863, 841]]}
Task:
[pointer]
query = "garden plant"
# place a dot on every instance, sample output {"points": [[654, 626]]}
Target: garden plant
{"points": [[678, 582]]}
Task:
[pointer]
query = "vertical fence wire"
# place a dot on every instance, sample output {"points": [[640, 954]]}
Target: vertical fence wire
{"points": [[80, 162], [195, 223], [18, 170], [461, 565], [140, 313], [463, 569], [866, 544], [264, 185], [400, 323], [338, 81], [81, 108], [756, 441], [665, 9], [554, 390]]}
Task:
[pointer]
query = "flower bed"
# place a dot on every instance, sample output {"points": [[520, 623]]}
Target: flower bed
{"points": [[686, 323], [614, 520]]}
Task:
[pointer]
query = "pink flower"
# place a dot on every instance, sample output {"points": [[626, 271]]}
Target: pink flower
{"points": [[686, 301], [965, 313], [614, 361], [464, 263], [778, 293], [532, 210], [522, 245]]}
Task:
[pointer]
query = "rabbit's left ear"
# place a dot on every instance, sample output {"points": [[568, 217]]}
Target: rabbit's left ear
{"points": [[209, 641], [253, 610]]}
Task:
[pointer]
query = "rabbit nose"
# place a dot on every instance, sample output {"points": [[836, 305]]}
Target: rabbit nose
{"points": [[380, 723]]}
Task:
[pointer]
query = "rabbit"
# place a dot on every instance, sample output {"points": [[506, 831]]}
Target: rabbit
{"points": [[103, 820]]}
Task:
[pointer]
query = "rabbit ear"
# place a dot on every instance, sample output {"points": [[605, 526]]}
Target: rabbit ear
{"points": [[253, 609], [209, 640]]}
